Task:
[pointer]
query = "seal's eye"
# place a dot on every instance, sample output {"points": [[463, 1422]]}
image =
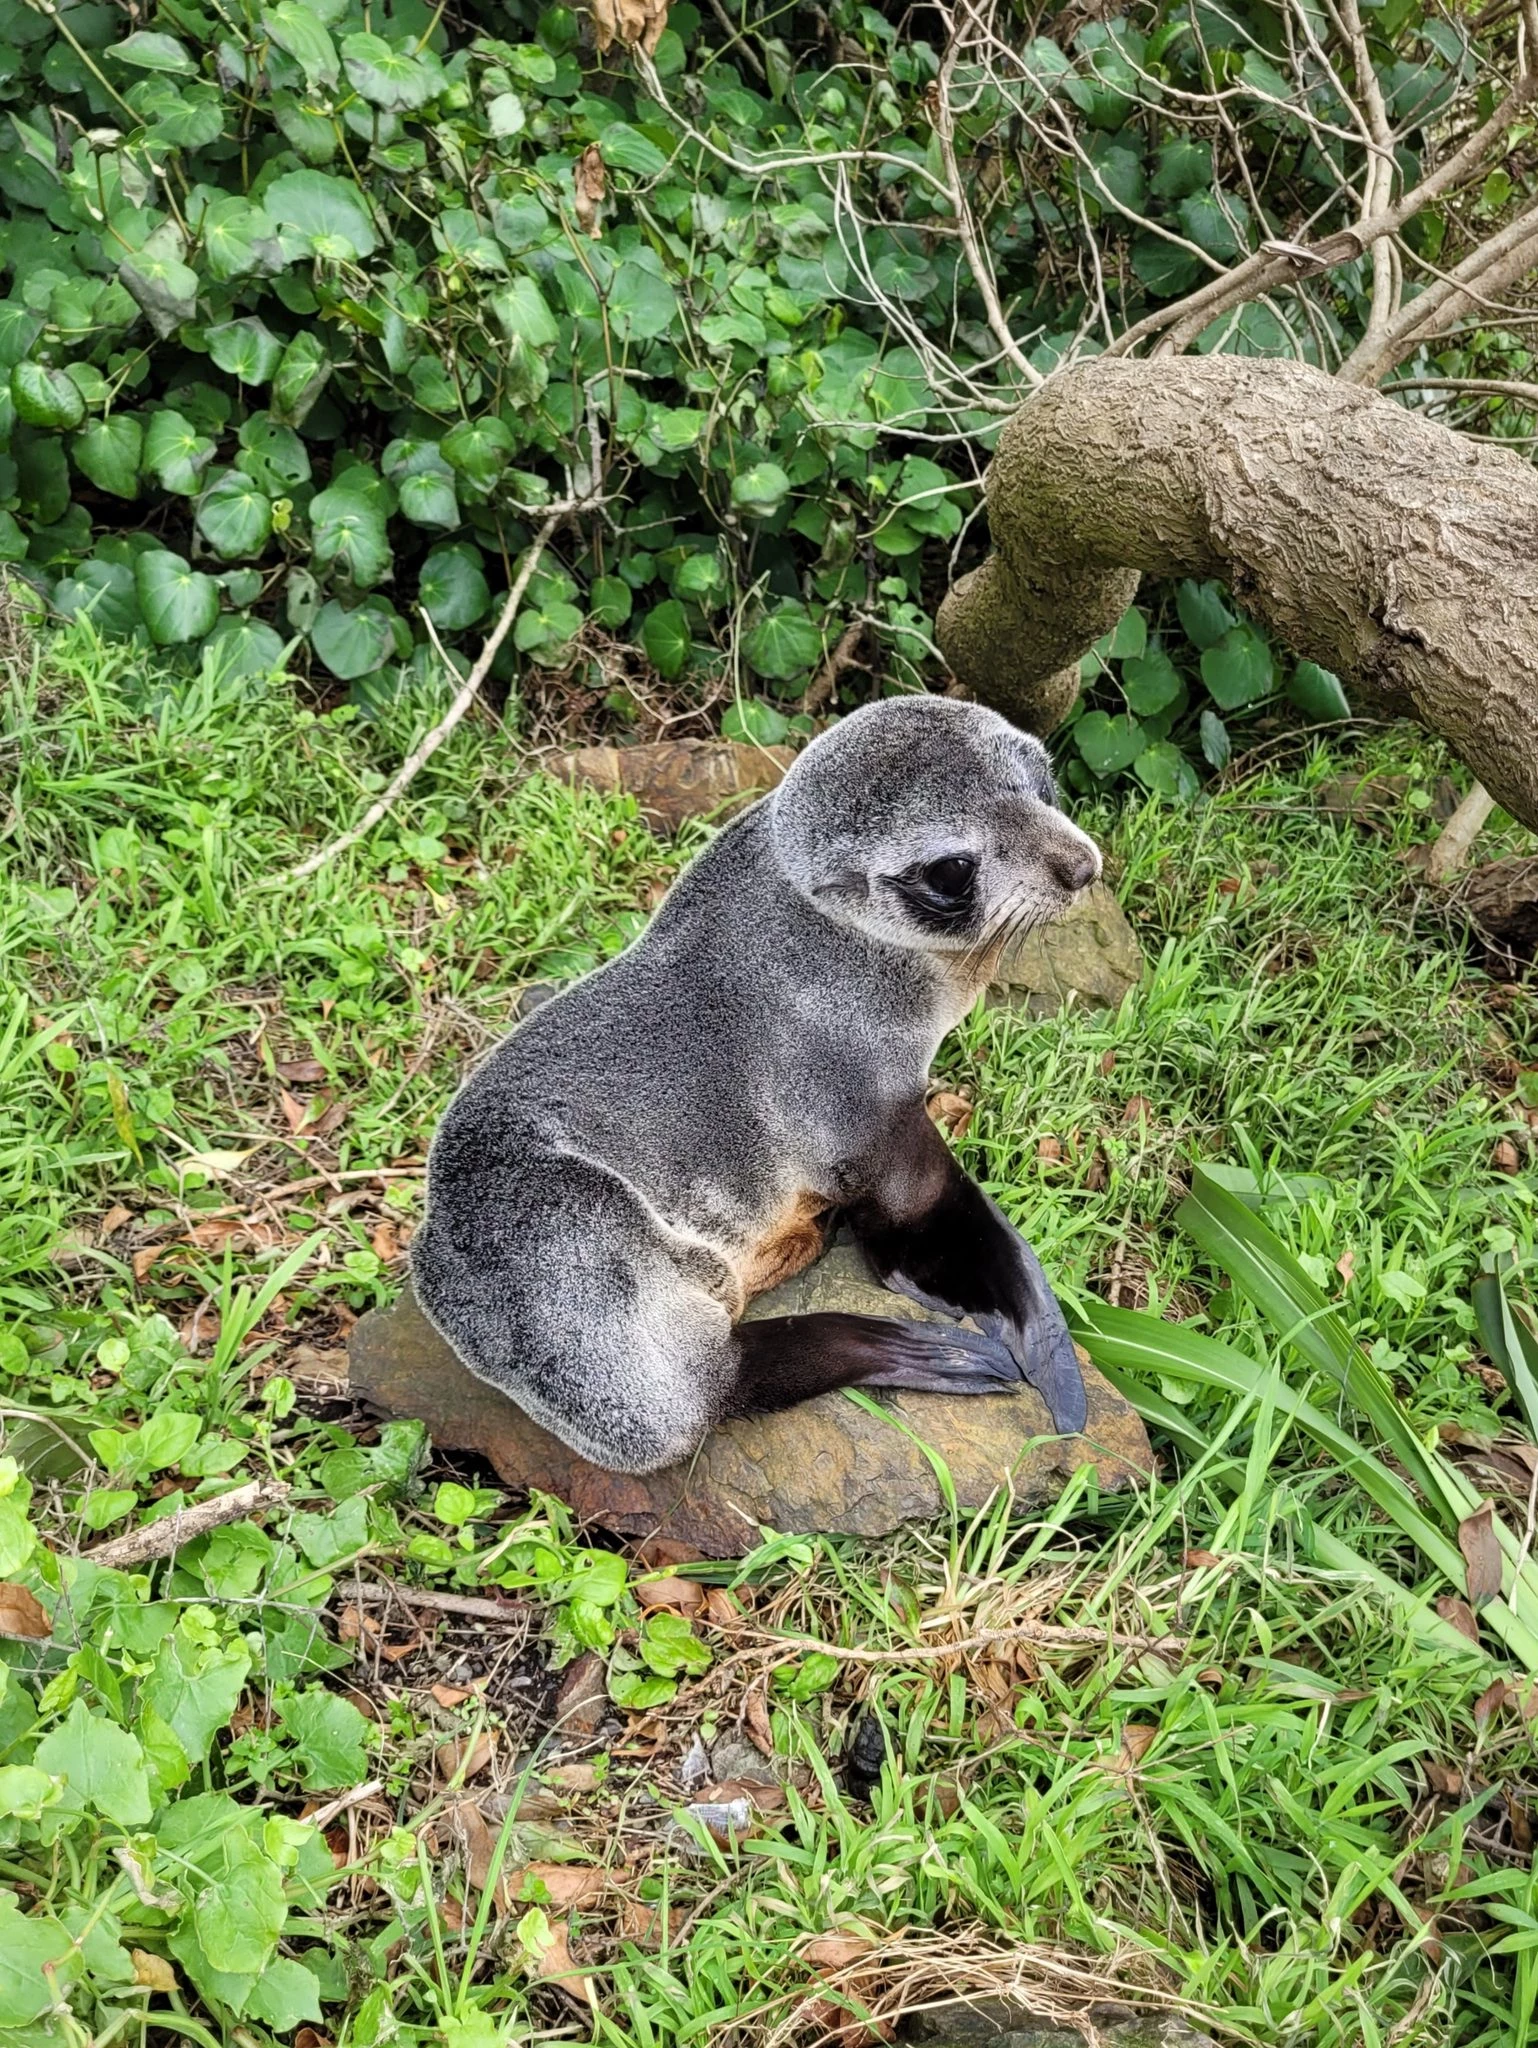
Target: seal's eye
{"points": [[951, 878]]}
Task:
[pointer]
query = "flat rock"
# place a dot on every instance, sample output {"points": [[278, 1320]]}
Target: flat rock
{"points": [[1002, 2023], [828, 1465], [1092, 955]]}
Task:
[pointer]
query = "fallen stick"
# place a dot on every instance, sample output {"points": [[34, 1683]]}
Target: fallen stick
{"points": [[323, 1816], [377, 1593], [468, 690], [1045, 1635], [159, 1539]]}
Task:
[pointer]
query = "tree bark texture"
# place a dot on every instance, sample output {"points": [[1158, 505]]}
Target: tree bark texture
{"points": [[1368, 539]]}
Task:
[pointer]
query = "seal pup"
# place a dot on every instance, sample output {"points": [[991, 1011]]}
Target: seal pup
{"points": [[677, 1131]]}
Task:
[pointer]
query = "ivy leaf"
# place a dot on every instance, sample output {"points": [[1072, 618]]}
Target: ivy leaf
{"points": [[194, 1688], [147, 51], [328, 1736], [106, 591], [188, 119], [427, 499], [299, 379], [1220, 226], [1203, 613], [1314, 690], [178, 603], [521, 310], [752, 720], [46, 398], [285, 1996], [674, 427], [1168, 270], [1181, 167], [665, 636], [761, 490], [627, 149], [1150, 682], [109, 452], [175, 453], [327, 215], [1239, 669], [235, 517], [642, 305], [479, 449], [348, 538], [1108, 744], [389, 78], [27, 1946], [300, 32], [610, 601], [904, 274], [784, 643], [355, 642], [103, 1764], [240, 1914], [247, 349], [237, 648], [1216, 744], [452, 589], [1166, 771], [238, 239]]}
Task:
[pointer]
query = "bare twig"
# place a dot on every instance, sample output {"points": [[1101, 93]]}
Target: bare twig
{"points": [[465, 697], [381, 1593], [323, 1816], [1458, 835], [1043, 1634], [159, 1539]]}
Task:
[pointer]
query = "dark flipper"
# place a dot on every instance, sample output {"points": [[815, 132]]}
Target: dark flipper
{"points": [[786, 1359], [932, 1234]]}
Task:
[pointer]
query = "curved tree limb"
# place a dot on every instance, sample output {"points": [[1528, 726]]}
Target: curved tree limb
{"points": [[1368, 538]]}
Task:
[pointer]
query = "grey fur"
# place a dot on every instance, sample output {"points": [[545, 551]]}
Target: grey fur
{"points": [[596, 1188]]}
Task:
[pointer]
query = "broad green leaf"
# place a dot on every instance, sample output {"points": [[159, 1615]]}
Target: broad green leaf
{"points": [[1150, 682], [103, 1764], [163, 287], [178, 603], [1108, 744], [147, 51], [238, 239], [1219, 225], [786, 642], [427, 499], [479, 449], [669, 1646], [235, 516], [329, 214], [329, 1738], [521, 309], [665, 636], [1164, 769], [610, 601], [1203, 613], [1316, 691], [453, 590], [1129, 636], [758, 724], [285, 1996], [28, 1944], [190, 118], [46, 398], [109, 452], [247, 348], [106, 591], [239, 1914], [1217, 747], [641, 304], [300, 31], [354, 642], [627, 149], [1167, 269], [194, 1688], [243, 647], [1239, 669], [274, 454], [1181, 167], [761, 490], [674, 428], [545, 627], [348, 538], [175, 453], [388, 77]]}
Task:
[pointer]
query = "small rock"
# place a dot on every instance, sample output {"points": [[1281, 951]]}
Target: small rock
{"points": [[828, 1465], [1091, 955], [672, 780], [1005, 2023]]}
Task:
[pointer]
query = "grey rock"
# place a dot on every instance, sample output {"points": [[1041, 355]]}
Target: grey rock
{"points": [[1092, 956], [829, 1465], [1004, 2023]]}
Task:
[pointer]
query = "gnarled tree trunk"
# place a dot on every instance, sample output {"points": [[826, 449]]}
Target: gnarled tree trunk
{"points": [[1375, 542]]}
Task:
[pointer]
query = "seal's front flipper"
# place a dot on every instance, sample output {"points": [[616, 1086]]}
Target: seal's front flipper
{"points": [[786, 1359], [932, 1234]]}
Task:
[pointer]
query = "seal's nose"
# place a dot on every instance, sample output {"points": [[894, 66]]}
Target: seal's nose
{"points": [[1074, 864]]}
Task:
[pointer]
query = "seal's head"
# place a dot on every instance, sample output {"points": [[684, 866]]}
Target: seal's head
{"points": [[930, 824]]}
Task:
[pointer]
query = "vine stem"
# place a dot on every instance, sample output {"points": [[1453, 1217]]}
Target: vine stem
{"points": [[421, 754]]}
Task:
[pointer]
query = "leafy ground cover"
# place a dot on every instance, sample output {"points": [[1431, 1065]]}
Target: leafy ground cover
{"points": [[1213, 1743]]}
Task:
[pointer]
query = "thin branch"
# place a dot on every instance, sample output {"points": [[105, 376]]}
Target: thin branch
{"points": [[1456, 839], [159, 1539], [384, 1593], [468, 690], [1492, 266]]}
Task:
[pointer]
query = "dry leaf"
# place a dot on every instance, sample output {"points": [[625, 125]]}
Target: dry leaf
{"points": [[330, 1121], [1506, 1158], [114, 1220], [678, 1596], [386, 1244], [1345, 1265], [461, 1757], [1139, 1110], [764, 1795], [629, 21], [301, 1070], [573, 1777], [154, 1972], [21, 1617], [447, 1695], [549, 1956], [837, 1951], [1446, 1780], [1107, 1062], [1137, 1739], [1049, 1151], [217, 1164], [568, 1884], [589, 182], [645, 1925], [143, 1260], [1481, 1554], [721, 1610], [1198, 1560], [755, 1721], [1460, 1614], [945, 1788], [953, 1113], [1490, 1701], [311, 2037], [1520, 1822], [295, 1112]]}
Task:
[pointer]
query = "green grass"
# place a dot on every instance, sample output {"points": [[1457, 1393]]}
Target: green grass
{"points": [[1270, 1849]]}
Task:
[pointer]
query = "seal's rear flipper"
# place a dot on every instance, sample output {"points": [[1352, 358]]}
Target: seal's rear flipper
{"points": [[786, 1359]]}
